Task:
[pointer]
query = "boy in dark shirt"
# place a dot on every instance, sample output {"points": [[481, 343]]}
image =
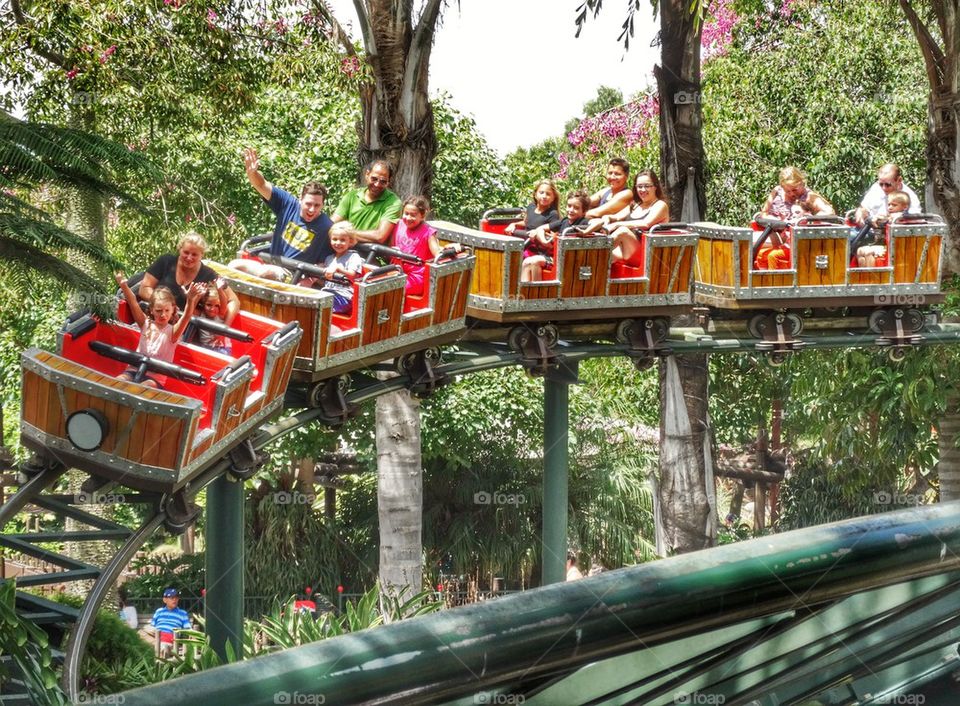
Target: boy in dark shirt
{"points": [[539, 251]]}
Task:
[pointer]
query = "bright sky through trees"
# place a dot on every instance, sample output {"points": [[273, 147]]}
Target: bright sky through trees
{"points": [[517, 68]]}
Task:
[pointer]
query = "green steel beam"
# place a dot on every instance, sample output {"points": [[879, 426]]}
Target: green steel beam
{"points": [[556, 433], [223, 604], [548, 631]]}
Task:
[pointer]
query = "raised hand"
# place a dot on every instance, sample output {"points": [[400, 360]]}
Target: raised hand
{"points": [[250, 160]]}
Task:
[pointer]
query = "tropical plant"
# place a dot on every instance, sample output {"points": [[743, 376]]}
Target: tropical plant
{"points": [[35, 156], [25, 653]]}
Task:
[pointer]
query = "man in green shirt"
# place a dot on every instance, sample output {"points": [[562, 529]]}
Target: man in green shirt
{"points": [[373, 210]]}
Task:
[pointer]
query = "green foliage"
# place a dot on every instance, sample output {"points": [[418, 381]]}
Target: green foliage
{"points": [[286, 627], [468, 176], [184, 572], [28, 650], [830, 91], [34, 155], [812, 495], [283, 628], [112, 645], [870, 422]]}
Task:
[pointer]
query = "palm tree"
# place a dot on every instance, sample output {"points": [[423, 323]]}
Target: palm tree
{"points": [[34, 157]]}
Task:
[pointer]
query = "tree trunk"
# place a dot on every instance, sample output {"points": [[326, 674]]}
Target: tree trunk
{"points": [[685, 489], [400, 493], [940, 47], [948, 467], [681, 119], [397, 118], [397, 125]]}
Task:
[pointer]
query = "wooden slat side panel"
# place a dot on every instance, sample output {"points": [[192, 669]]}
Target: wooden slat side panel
{"points": [[516, 260], [172, 435], [446, 288], [624, 289], [460, 308], [745, 262], [704, 272], [932, 264], [153, 441], [772, 280], [348, 343], [682, 283], [868, 277], [417, 324], [489, 268], [387, 303]]}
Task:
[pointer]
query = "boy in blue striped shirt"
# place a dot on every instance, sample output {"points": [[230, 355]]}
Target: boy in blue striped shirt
{"points": [[168, 619]]}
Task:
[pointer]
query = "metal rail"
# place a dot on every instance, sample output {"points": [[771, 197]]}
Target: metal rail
{"points": [[517, 641]]}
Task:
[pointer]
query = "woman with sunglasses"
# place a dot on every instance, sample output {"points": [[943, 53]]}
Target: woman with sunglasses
{"points": [[649, 208]]}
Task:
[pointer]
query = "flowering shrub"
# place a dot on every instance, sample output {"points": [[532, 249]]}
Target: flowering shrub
{"points": [[718, 28], [611, 133]]}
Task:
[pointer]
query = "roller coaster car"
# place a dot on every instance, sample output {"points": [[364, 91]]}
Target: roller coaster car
{"points": [[819, 272], [383, 324], [582, 285], [77, 411]]}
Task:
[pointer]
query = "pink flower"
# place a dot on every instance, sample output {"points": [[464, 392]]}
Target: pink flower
{"points": [[107, 53], [72, 73], [232, 219], [717, 35], [188, 218], [350, 65], [211, 18]]}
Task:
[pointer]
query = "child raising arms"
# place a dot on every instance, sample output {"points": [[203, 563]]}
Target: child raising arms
{"points": [[412, 235], [158, 337]]}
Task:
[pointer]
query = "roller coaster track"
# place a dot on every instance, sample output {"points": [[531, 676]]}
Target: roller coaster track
{"points": [[466, 358]]}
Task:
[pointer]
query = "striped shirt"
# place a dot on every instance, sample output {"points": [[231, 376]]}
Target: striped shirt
{"points": [[166, 620]]}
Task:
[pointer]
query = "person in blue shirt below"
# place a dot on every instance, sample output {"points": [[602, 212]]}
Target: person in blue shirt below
{"points": [[169, 619], [302, 226]]}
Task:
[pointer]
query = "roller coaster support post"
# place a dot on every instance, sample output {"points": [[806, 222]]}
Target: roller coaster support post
{"points": [[556, 432], [223, 605]]}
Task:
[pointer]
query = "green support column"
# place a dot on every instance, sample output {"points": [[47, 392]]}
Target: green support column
{"points": [[556, 399], [223, 605]]}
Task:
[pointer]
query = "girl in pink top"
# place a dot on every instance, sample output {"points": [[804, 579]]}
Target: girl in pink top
{"points": [[158, 337], [414, 236]]}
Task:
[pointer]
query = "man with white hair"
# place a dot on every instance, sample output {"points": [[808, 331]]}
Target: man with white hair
{"points": [[874, 202]]}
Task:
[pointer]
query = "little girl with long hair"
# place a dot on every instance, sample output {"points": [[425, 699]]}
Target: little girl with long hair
{"points": [[544, 209], [413, 236], [158, 337]]}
